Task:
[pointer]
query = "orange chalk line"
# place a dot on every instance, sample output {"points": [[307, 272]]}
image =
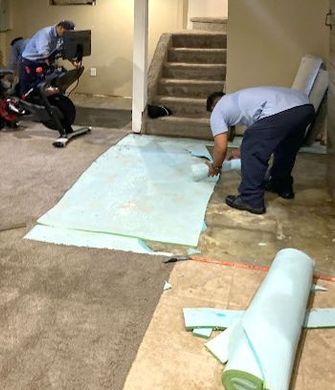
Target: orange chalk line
{"points": [[254, 267]]}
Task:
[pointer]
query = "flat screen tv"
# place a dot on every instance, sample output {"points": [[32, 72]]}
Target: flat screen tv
{"points": [[76, 44]]}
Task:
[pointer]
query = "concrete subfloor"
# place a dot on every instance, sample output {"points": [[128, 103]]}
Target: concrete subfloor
{"points": [[73, 318], [306, 223]]}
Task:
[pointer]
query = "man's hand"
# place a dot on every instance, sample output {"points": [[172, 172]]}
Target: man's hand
{"points": [[212, 169], [76, 64], [219, 154]]}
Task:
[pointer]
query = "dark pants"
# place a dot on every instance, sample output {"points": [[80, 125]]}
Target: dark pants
{"points": [[31, 73], [282, 135]]}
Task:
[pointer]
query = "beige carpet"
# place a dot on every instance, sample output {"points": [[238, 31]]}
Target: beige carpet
{"points": [[70, 318]]}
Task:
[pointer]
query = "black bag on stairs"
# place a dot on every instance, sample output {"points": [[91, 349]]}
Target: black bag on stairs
{"points": [[157, 111]]}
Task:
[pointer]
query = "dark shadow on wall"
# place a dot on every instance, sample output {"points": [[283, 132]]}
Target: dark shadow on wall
{"points": [[102, 117]]}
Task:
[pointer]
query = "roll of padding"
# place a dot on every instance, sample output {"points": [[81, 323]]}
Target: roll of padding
{"points": [[230, 165], [262, 357], [199, 172]]}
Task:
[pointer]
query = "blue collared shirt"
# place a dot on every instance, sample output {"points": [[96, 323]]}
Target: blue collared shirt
{"points": [[42, 44], [247, 106]]}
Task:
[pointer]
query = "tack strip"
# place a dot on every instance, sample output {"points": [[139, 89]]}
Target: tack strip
{"points": [[254, 267]]}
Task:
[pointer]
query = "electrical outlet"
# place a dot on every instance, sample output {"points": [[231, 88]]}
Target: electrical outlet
{"points": [[93, 72]]}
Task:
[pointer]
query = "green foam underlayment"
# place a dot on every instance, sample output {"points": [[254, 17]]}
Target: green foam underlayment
{"points": [[241, 380], [89, 240], [222, 318], [141, 188], [202, 332], [210, 318]]}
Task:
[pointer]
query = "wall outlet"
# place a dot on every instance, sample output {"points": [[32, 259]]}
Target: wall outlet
{"points": [[93, 72]]}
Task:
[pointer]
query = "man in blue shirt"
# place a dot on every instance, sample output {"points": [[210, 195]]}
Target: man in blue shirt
{"points": [[39, 53], [276, 120]]}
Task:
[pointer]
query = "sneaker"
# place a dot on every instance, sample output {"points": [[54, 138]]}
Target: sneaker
{"points": [[236, 202], [286, 193]]}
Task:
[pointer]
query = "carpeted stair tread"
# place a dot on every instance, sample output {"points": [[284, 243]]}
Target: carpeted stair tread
{"points": [[190, 81], [185, 119], [199, 49], [194, 67], [178, 99], [190, 64], [173, 126], [207, 40]]}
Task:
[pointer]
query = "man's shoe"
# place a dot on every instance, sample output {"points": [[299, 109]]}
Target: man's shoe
{"points": [[236, 202], [288, 193]]}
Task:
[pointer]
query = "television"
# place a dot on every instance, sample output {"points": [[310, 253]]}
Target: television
{"points": [[76, 44]]}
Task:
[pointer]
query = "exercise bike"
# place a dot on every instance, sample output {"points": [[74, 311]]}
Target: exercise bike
{"points": [[46, 102]]}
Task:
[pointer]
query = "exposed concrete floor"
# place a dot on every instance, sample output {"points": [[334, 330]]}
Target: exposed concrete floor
{"points": [[306, 223], [73, 318]]}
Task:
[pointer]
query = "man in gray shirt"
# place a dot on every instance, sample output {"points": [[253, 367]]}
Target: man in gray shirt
{"points": [[276, 120]]}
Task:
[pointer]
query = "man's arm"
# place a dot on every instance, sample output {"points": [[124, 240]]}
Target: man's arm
{"points": [[219, 154]]}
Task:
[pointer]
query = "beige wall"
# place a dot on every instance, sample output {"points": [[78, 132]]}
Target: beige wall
{"points": [[111, 22], [208, 8], [267, 38]]}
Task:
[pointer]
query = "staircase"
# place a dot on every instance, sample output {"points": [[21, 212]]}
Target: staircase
{"points": [[192, 65]]}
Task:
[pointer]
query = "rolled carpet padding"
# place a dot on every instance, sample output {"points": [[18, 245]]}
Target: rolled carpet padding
{"points": [[200, 171], [263, 355]]}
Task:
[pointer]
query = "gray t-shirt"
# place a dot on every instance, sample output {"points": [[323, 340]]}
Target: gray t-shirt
{"points": [[247, 106]]}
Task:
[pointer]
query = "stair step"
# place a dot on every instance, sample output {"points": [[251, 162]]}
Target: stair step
{"points": [[172, 126], [180, 70], [180, 106], [207, 40], [197, 55], [189, 88], [209, 23], [195, 66]]}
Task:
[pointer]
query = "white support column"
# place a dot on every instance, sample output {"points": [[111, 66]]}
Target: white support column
{"points": [[140, 61]]}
